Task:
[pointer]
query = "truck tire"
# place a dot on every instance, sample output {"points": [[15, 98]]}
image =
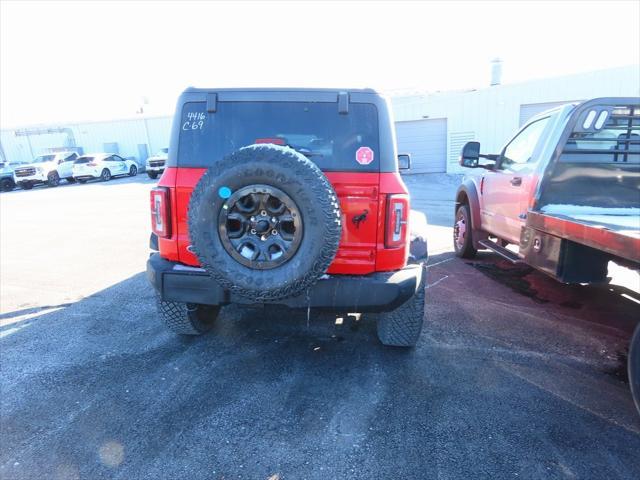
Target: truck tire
{"points": [[401, 327], [53, 179], [265, 222], [462, 236], [7, 184], [187, 318], [634, 367], [152, 175]]}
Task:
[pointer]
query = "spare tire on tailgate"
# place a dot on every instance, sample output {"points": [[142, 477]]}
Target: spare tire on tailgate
{"points": [[265, 222]]}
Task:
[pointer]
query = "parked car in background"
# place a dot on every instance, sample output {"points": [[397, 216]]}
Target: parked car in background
{"points": [[155, 164], [7, 182], [103, 166], [49, 168]]}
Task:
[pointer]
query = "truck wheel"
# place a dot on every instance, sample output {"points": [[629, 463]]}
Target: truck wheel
{"points": [[26, 186], [53, 179], [402, 326], [70, 180], [152, 175], [462, 237], [6, 185], [133, 171], [634, 367], [187, 318], [265, 222], [105, 176]]}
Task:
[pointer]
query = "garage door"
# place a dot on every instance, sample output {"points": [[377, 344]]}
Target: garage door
{"points": [[528, 111], [426, 141]]}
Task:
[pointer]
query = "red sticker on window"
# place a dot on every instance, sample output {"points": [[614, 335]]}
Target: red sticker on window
{"points": [[364, 155]]}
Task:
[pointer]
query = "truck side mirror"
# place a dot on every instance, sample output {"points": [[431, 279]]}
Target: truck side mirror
{"points": [[470, 156], [404, 161]]}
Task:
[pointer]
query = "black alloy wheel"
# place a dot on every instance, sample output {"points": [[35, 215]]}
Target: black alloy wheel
{"points": [[260, 226]]}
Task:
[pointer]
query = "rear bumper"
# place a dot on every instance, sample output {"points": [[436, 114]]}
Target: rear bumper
{"points": [[378, 292]]}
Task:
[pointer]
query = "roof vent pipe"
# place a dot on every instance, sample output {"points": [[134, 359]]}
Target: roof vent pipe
{"points": [[496, 72]]}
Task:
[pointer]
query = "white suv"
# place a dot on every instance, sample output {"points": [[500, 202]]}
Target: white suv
{"points": [[103, 166], [48, 168]]}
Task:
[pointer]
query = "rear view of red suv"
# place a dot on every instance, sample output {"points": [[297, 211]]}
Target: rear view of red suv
{"points": [[290, 197]]}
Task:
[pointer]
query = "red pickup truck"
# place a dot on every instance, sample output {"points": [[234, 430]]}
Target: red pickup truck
{"points": [[563, 196]]}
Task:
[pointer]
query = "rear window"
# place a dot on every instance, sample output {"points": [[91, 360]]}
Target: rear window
{"points": [[80, 160], [334, 141]]}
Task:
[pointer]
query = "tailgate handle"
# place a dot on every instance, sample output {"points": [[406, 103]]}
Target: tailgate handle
{"points": [[516, 181]]}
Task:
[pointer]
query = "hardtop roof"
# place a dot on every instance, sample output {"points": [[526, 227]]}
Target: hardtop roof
{"points": [[282, 89]]}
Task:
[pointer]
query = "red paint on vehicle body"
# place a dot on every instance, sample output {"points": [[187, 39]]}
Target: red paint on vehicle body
{"points": [[362, 249]]}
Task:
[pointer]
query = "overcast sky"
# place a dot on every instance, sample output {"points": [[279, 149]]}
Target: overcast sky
{"points": [[89, 60]]}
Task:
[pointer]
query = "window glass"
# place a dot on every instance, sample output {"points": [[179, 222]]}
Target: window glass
{"points": [[316, 130], [81, 160], [520, 149], [44, 158]]}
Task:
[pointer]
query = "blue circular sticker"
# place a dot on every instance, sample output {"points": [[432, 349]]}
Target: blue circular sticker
{"points": [[224, 192]]}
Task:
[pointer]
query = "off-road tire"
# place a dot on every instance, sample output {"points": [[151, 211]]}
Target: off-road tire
{"points": [[634, 367], [70, 180], [187, 319], [309, 189], [7, 184], [133, 171], [105, 175], [53, 179], [401, 327], [152, 175], [467, 250]]}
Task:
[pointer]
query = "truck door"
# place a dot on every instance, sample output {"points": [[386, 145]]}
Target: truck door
{"points": [[505, 189]]}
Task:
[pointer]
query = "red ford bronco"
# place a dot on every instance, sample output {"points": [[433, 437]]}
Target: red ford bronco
{"points": [[289, 197]]}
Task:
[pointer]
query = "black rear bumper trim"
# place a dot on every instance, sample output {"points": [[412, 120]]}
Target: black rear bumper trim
{"points": [[376, 292]]}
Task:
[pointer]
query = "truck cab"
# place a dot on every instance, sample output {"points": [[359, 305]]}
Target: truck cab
{"points": [[562, 195], [505, 189], [48, 168]]}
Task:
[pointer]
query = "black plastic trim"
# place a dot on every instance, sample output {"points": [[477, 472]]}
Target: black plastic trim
{"points": [[377, 292]]}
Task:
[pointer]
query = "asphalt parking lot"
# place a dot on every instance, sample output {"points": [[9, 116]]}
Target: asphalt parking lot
{"points": [[515, 376]]}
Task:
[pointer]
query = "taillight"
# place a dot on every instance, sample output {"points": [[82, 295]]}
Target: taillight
{"points": [[397, 216], [160, 219]]}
